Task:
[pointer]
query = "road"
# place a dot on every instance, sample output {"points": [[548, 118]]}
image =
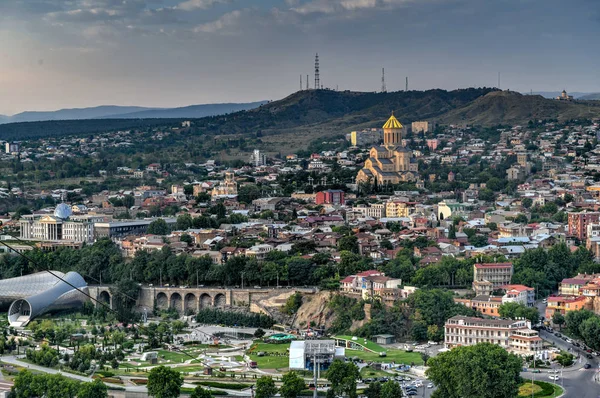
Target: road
{"points": [[577, 381]]}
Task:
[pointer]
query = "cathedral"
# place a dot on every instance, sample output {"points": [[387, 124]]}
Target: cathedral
{"points": [[391, 163]]}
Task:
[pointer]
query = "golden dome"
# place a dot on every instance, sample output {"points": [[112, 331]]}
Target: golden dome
{"points": [[392, 123]]}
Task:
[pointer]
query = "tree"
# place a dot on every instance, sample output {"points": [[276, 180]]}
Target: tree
{"points": [[590, 331], [574, 320], [247, 193], [516, 310], [343, 376], [186, 238], [374, 390], [164, 382], [158, 227], [348, 243], [259, 333], [95, 389], [483, 370], [292, 385], [527, 202], [391, 389], [200, 392], [265, 387], [558, 319], [565, 358]]}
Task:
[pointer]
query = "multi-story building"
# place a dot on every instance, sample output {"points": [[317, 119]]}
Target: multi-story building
{"points": [[394, 208], [259, 251], [376, 210], [564, 305], [578, 223], [487, 305], [513, 335], [421, 127], [488, 277], [258, 159], [331, 196], [12, 147], [52, 228], [573, 286], [520, 294]]}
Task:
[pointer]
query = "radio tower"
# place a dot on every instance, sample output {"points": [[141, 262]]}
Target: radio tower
{"points": [[406, 89], [383, 89], [300, 82], [317, 80]]}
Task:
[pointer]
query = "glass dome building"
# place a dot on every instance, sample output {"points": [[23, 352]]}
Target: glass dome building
{"points": [[33, 295]]}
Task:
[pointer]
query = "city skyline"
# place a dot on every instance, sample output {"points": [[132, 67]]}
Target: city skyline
{"points": [[166, 53]]}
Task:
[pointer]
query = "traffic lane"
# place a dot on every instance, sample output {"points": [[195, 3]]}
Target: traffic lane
{"points": [[563, 345]]}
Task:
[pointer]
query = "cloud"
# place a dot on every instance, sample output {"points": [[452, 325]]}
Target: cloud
{"points": [[358, 4], [226, 20], [190, 5]]}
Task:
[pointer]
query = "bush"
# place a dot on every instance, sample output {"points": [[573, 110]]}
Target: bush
{"points": [[228, 386], [231, 318]]}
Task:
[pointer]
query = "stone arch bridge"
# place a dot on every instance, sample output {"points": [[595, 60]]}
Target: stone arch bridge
{"points": [[189, 299]]}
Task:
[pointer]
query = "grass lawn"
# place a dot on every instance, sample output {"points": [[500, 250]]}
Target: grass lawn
{"points": [[361, 341], [527, 390], [173, 356], [398, 356], [278, 359], [368, 371]]}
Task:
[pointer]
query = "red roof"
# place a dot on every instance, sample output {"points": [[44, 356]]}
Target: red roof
{"points": [[347, 279], [372, 272]]}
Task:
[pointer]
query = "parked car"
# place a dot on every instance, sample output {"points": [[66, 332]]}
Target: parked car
{"points": [[587, 366], [554, 377]]}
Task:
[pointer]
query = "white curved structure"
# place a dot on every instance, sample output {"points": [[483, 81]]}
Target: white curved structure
{"points": [[35, 294]]}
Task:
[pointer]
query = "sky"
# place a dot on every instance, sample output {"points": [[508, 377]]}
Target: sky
{"points": [[77, 53]]}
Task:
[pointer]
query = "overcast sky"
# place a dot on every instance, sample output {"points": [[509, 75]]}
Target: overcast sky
{"points": [[78, 53]]}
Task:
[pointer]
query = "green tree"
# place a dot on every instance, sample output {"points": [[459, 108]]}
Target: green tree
{"points": [[164, 382], [158, 227], [483, 370], [517, 310], [348, 243], [374, 390], [558, 319], [248, 192], [343, 376], [95, 389], [391, 389], [293, 384], [590, 331], [200, 392], [527, 202], [265, 387], [574, 320]]}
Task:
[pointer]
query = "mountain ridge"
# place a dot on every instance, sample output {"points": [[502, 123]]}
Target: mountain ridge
{"points": [[129, 112]]}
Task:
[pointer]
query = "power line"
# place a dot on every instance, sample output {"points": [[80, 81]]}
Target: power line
{"points": [[84, 293]]}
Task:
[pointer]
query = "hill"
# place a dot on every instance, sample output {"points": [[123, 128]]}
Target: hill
{"points": [[131, 112], [189, 112], [72, 114], [509, 107], [590, 97], [306, 115]]}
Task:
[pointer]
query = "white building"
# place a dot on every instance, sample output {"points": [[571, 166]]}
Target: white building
{"points": [[12, 147], [258, 159]]}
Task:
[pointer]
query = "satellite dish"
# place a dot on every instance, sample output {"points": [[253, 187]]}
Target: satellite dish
{"points": [[63, 211]]}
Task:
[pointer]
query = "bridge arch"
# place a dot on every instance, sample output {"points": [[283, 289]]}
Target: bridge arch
{"points": [[105, 298], [190, 303], [162, 301], [205, 300], [176, 302], [220, 300]]}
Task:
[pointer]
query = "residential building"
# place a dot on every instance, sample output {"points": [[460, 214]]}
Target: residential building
{"points": [[331, 196], [422, 127], [12, 147], [259, 251], [395, 209], [578, 223], [563, 305], [488, 277]]}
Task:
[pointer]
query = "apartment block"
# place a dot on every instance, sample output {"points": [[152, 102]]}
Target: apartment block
{"points": [[488, 277], [578, 223]]}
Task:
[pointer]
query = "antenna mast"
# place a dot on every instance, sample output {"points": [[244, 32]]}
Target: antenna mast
{"points": [[498, 79], [307, 82], [406, 88], [317, 79], [300, 82], [383, 88]]}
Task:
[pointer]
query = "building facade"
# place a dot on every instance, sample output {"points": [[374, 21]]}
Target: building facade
{"points": [[488, 277], [578, 223], [331, 196], [513, 335], [391, 163]]}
